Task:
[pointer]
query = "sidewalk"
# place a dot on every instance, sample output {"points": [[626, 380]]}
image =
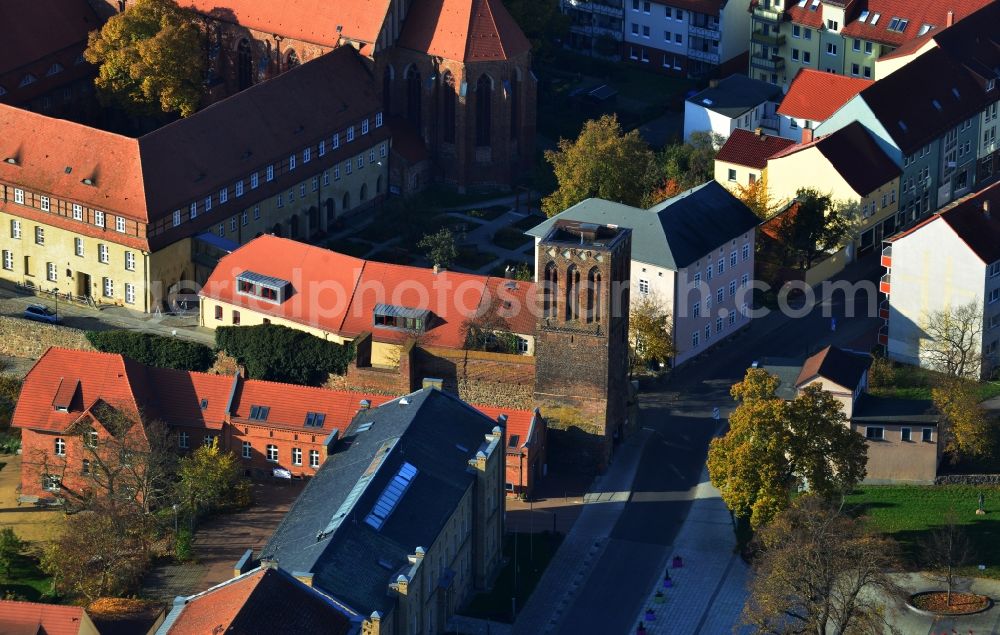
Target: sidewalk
{"points": [[709, 590], [585, 543]]}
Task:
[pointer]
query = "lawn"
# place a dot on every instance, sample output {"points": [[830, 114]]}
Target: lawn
{"points": [[913, 382], [26, 581], [534, 551], [910, 513], [511, 238]]}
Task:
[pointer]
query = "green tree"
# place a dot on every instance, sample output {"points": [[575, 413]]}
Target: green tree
{"points": [[819, 571], [542, 22], [207, 477], [279, 353], [774, 446], [650, 331], [811, 228], [10, 548], [692, 163], [603, 162], [968, 432], [154, 350], [150, 57], [439, 247]]}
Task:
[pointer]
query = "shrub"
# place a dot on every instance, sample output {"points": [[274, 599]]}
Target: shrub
{"points": [[279, 353], [154, 350], [184, 545]]}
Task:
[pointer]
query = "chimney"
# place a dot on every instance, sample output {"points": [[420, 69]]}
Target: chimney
{"points": [[948, 21], [986, 209], [502, 420], [437, 269], [365, 404], [807, 135], [509, 272], [758, 132], [713, 83]]}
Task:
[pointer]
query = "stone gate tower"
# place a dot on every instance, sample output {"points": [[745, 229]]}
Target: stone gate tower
{"points": [[582, 335]]}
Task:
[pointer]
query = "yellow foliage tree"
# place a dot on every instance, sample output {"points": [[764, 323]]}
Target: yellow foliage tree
{"points": [[757, 197], [151, 58]]}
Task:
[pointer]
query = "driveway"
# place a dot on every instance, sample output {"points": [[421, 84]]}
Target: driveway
{"points": [[221, 541]]}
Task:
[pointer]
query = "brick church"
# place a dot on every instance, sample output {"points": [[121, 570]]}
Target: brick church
{"points": [[455, 75]]}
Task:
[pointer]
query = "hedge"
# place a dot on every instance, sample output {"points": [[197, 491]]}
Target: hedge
{"points": [[154, 350], [279, 353]]}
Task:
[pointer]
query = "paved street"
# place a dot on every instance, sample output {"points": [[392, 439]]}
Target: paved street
{"points": [[607, 577]]}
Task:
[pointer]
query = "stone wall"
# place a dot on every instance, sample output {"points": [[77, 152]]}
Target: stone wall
{"points": [[24, 338], [492, 379]]}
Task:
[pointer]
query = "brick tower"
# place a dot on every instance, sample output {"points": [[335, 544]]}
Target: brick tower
{"points": [[581, 345]]}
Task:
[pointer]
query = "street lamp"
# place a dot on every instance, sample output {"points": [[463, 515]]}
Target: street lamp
{"points": [[56, 291], [175, 518]]}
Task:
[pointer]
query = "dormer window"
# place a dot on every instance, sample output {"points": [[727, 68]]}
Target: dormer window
{"points": [[315, 419], [55, 69], [259, 413], [398, 317], [264, 287], [350, 133], [27, 80]]}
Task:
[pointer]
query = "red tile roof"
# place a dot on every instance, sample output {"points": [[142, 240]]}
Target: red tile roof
{"points": [[314, 21], [289, 404], [747, 148], [463, 30], [147, 178], [338, 293], [32, 618], [64, 23], [263, 601], [917, 12], [518, 423], [816, 95]]}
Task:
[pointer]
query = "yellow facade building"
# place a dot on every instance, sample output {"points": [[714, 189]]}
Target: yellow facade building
{"points": [[136, 221], [848, 166]]}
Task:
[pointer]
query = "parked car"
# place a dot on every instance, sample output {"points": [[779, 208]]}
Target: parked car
{"points": [[41, 313]]}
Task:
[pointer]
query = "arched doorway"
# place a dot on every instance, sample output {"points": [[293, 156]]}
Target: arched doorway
{"points": [[448, 97], [413, 94], [293, 226], [244, 64], [291, 59], [484, 110], [313, 219], [276, 230], [331, 211], [347, 202], [378, 185], [364, 192]]}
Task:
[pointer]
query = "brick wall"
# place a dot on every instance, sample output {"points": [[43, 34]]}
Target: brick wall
{"points": [[24, 338], [493, 379]]}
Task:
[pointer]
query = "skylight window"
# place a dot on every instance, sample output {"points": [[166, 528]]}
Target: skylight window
{"points": [[315, 419], [814, 5], [391, 496], [898, 25], [902, 125], [925, 28], [875, 19], [936, 104], [864, 15], [954, 91], [802, 3], [204, 404], [259, 413]]}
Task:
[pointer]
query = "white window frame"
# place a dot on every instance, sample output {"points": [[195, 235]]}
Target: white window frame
{"points": [[269, 174], [177, 217], [51, 272], [296, 456], [321, 150], [108, 287], [120, 224], [15, 229], [39, 235], [350, 134], [78, 246], [239, 188], [314, 454], [8, 259], [223, 195], [19, 196], [129, 293], [254, 181], [103, 254], [99, 218], [307, 155], [378, 120], [44, 203], [183, 439], [247, 452], [77, 211], [130, 261], [364, 126], [272, 453], [193, 210]]}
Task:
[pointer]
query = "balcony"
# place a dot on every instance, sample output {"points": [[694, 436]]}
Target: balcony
{"points": [[710, 33], [887, 256], [883, 309], [704, 56], [767, 39], [773, 64], [883, 284], [768, 15], [771, 124], [596, 7]]}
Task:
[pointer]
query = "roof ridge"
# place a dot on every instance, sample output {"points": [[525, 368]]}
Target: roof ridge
{"points": [[496, 27]]}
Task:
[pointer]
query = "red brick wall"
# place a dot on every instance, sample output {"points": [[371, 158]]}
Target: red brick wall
{"points": [[285, 440], [492, 379], [525, 466]]}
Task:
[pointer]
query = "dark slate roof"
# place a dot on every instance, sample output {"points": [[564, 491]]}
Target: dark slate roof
{"points": [[787, 370], [923, 99], [674, 233], [979, 229], [858, 159], [736, 94], [975, 41], [839, 366], [872, 409], [435, 432]]}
